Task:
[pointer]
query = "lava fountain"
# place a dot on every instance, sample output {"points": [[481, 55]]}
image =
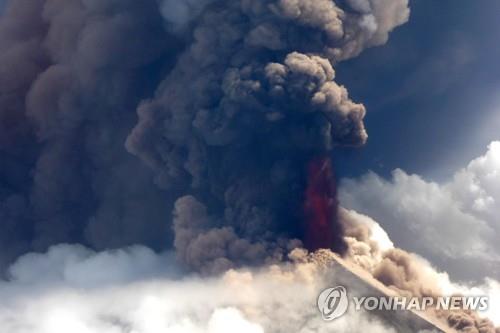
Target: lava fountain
{"points": [[322, 228]]}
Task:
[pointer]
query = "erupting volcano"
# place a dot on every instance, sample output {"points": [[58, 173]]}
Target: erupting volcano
{"points": [[216, 142], [322, 229]]}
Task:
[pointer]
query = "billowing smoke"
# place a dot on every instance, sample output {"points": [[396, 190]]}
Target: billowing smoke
{"points": [[410, 275], [136, 290], [238, 110], [128, 291], [237, 98], [247, 107], [71, 75]]}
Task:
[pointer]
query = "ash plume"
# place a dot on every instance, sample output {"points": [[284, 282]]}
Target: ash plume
{"points": [[234, 100], [228, 162], [247, 107], [69, 85]]}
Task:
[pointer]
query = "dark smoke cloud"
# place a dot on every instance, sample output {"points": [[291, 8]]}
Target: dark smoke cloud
{"points": [[179, 14], [237, 98], [71, 75], [249, 103], [215, 249]]}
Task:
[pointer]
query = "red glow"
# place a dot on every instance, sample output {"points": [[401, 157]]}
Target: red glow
{"points": [[321, 230]]}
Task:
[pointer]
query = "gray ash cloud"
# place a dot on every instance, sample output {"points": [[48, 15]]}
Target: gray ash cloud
{"points": [[233, 98], [72, 73]]}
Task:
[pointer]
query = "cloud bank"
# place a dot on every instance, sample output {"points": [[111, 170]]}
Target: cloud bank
{"points": [[454, 224], [408, 274], [137, 290], [129, 291]]}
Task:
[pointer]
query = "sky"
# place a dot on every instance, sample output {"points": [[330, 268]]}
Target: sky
{"points": [[430, 92], [433, 111]]}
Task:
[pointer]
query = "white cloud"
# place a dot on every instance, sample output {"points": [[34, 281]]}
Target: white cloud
{"points": [[365, 255], [134, 290], [454, 224], [73, 289], [477, 187], [490, 287], [77, 266]]}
